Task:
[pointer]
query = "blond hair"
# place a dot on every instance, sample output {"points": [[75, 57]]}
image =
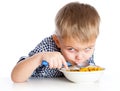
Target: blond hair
{"points": [[77, 20]]}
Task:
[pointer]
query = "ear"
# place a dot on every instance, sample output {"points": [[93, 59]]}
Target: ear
{"points": [[56, 40]]}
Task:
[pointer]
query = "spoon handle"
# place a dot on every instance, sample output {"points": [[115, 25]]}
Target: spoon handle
{"points": [[45, 63]]}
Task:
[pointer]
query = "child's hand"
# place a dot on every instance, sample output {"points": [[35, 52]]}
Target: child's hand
{"points": [[54, 59]]}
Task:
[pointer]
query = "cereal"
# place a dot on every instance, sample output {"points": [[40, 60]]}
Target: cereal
{"points": [[88, 69]]}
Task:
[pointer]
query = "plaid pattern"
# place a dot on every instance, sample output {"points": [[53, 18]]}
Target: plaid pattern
{"points": [[44, 71]]}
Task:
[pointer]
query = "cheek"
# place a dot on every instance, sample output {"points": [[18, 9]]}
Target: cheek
{"points": [[88, 56]]}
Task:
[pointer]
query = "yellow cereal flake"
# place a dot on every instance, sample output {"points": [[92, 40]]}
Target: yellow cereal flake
{"points": [[88, 69]]}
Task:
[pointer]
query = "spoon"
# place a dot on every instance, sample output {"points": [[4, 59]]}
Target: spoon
{"points": [[70, 66], [45, 63], [78, 66]]}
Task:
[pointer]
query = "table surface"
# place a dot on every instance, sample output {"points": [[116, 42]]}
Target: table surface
{"points": [[107, 83]]}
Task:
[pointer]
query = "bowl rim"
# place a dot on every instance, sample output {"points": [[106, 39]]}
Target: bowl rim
{"points": [[67, 71]]}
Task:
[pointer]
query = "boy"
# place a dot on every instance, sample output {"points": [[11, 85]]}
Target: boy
{"points": [[77, 28]]}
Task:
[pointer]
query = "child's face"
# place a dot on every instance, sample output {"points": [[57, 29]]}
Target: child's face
{"points": [[76, 52]]}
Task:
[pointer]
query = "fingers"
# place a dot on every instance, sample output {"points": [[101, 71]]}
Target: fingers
{"points": [[51, 64], [57, 64], [65, 65], [56, 61]]}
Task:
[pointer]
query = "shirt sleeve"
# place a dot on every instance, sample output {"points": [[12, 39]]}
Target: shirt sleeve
{"points": [[22, 58], [31, 53], [47, 44], [91, 60]]}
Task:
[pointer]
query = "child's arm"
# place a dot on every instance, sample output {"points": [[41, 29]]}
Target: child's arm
{"points": [[23, 70]]}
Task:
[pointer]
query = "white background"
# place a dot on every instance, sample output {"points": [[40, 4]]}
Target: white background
{"points": [[24, 23]]}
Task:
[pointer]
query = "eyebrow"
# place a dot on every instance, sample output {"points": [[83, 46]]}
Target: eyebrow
{"points": [[81, 48]]}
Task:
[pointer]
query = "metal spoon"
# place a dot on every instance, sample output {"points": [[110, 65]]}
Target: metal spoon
{"points": [[70, 66], [45, 63]]}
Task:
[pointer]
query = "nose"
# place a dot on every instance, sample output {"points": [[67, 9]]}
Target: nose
{"points": [[80, 55]]}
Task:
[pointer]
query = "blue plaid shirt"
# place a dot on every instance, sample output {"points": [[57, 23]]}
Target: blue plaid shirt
{"points": [[44, 71]]}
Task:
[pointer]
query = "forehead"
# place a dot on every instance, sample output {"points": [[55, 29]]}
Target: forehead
{"points": [[77, 44]]}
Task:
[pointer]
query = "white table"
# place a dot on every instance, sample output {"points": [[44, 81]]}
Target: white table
{"points": [[107, 83]]}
